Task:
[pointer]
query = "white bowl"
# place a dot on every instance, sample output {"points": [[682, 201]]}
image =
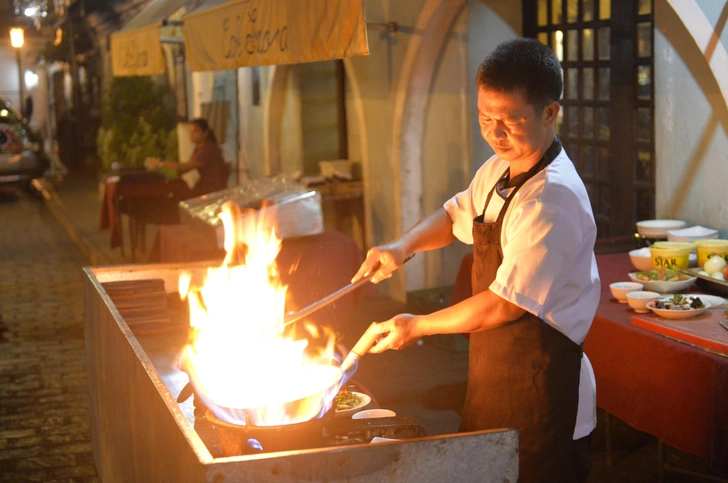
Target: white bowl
{"points": [[638, 300], [641, 259], [663, 286], [621, 289], [658, 228]]}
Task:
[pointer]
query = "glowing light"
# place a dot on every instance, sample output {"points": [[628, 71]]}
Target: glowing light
{"points": [[31, 79], [17, 37]]}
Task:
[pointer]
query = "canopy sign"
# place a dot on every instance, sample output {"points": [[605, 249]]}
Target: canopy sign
{"points": [[225, 35], [137, 48]]}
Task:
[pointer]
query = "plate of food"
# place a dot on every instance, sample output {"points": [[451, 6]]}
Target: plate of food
{"points": [[679, 306], [349, 401], [663, 280]]}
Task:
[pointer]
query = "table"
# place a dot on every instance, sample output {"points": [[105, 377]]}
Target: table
{"points": [[145, 198], [671, 390], [666, 388], [312, 266]]}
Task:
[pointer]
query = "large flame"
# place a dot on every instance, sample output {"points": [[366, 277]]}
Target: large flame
{"points": [[240, 359]]}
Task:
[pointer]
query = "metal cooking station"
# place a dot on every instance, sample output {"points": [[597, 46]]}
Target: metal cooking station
{"points": [[141, 433]]}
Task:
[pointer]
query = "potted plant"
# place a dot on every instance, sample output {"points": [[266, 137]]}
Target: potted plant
{"points": [[138, 121]]}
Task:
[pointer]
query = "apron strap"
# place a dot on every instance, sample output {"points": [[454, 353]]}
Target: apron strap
{"points": [[545, 160]]}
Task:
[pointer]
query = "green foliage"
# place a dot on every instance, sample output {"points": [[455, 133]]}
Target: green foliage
{"points": [[138, 121]]}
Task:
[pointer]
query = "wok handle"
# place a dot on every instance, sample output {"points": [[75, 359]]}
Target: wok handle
{"points": [[292, 317], [362, 347]]}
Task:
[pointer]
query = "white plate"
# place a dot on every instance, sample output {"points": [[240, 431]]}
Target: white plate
{"points": [[713, 300], [677, 314], [374, 413], [658, 228], [363, 401], [692, 233], [662, 286]]}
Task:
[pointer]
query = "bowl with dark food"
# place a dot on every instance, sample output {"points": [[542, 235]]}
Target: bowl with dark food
{"points": [[678, 306], [663, 280]]}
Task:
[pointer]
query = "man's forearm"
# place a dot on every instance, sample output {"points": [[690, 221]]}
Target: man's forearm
{"points": [[430, 233], [483, 311]]}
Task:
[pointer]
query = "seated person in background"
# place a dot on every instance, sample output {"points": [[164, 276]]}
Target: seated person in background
{"points": [[207, 159]]}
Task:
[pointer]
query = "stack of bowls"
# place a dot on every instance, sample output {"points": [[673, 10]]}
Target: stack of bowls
{"points": [[653, 230], [658, 228]]}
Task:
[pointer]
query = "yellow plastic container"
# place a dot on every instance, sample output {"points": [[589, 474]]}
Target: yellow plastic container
{"points": [[674, 258], [708, 248], [672, 244]]}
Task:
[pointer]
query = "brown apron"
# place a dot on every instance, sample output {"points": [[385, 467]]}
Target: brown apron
{"points": [[524, 374]]}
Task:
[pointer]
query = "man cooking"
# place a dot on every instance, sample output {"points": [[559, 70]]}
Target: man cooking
{"points": [[535, 280]]}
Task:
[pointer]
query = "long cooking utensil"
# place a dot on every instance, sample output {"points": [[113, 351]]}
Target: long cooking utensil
{"points": [[291, 317]]}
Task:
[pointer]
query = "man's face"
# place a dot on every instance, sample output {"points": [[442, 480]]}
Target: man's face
{"points": [[512, 127]]}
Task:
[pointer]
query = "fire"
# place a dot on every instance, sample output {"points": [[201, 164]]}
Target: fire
{"points": [[241, 360]]}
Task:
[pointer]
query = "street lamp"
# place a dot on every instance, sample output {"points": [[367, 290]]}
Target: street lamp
{"points": [[17, 38]]}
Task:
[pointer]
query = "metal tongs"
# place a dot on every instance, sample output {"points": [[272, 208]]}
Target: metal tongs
{"points": [[291, 317]]}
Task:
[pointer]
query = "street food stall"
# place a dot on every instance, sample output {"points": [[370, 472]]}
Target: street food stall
{"points": [[225, 389]]}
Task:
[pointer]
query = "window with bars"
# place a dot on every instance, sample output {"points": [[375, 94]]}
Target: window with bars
{"points": [[607, 116]]}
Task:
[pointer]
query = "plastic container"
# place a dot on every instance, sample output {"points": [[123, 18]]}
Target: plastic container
{"points": [[674, 258], [674, 244], [708, 248]]}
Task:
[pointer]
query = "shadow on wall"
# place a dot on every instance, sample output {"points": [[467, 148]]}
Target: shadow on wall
{"points": [[672, 27]]}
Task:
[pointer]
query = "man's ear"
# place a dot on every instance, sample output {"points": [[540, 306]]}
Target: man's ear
{"points": [[548, 116]]}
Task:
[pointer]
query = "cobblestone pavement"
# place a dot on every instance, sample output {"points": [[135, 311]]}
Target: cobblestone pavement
{"points": [[44, 422]]}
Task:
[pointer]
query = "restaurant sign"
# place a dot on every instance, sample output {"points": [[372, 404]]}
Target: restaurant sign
{"points": [[225, 35], [137, 52], [137, 48]]}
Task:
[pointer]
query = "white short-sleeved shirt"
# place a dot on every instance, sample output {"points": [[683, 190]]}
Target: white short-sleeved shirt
{"points": [[548, 268]]}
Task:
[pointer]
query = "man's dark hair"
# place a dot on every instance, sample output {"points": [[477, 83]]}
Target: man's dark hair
{"points": [[526, 66]]}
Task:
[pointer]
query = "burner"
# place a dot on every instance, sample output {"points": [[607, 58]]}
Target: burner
{"points": [[317, 433]]}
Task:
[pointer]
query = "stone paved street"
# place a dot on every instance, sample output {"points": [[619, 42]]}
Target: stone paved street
{"points": [[44, 424]]}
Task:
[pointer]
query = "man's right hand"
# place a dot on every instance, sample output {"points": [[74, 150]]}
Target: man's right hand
{"points": [[389, 257]]}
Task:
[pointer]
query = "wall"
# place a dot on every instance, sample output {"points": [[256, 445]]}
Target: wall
{"points": [[690, 112], [442, 131]]}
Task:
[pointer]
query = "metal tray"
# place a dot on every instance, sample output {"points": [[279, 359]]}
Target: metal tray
{"points": [[709, 284]]}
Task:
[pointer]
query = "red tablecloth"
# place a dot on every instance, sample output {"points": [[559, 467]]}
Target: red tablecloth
{"points": [[666, 388], [663, 387], [312, 266]]}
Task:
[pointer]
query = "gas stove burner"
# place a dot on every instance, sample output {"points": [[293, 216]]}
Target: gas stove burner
{"points": [[238, 440]]}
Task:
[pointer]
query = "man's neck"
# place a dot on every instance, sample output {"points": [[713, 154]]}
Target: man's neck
{"points": [[522, 166]]}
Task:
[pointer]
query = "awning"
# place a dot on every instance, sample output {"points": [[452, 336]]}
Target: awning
{"points": [[137, 48], [227, 34]]}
